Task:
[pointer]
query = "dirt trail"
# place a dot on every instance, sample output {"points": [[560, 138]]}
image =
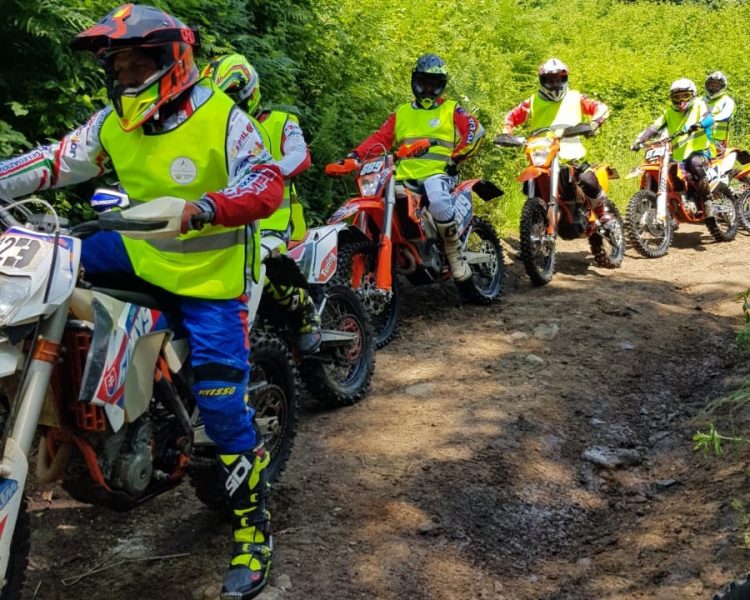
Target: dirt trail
{"points": [[461, 475]]}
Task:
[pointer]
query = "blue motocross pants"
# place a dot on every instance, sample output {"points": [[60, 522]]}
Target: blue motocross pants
{"points": [[218, 335]]}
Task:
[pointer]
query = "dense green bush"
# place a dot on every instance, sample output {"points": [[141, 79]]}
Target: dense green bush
{"points": [[343, 65]]}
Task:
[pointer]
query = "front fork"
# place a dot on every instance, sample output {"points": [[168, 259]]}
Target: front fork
{"points": [[385, 255], [661, 193], [14, 466], [553, 209]]}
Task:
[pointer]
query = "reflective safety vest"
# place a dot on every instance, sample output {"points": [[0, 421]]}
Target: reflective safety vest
{"points": [[187, 162], [435, 125], [720, 130], [545, 113], [687, 144], [290, 215]]}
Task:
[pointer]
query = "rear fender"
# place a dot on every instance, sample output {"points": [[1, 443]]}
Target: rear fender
{"points": [[317, 254]]}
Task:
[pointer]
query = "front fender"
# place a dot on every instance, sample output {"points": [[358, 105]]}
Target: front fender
{"points": [[348, 211], [530, 173]]}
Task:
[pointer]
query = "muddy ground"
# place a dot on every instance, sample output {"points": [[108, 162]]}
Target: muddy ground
{"points": [[463, 474]]}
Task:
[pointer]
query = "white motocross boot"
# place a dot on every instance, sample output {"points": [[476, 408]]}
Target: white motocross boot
{"points": [[456, 259]]}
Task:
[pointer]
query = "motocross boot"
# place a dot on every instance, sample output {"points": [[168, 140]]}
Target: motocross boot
{"points": [[246, 483], [456, 259], [300, 304], [704, 191], [602, 211]]}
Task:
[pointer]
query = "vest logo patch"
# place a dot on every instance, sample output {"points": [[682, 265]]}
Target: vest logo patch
{"points": [[434, 123], [183, 170]]}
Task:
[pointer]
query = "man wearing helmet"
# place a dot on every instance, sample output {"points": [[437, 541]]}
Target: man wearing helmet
{"points": [[690, 115], [283, 137], [555, 104], [160, 135], [721, 106], [455, 135]]}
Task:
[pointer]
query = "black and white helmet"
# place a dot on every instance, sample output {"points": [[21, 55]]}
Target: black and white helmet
{"points": [[553, 79], [716, 83]]}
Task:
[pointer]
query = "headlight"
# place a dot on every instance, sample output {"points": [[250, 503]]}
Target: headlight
{"points": [[539, 157], [369, 184], [13, 292]]}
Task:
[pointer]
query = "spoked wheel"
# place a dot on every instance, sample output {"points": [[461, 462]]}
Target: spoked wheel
{"points": [[743, 209], [649, 236], [538, 252], [488, 270], [273, 392], [608, 244], [724, 222], [357, 268], [340, 373]]}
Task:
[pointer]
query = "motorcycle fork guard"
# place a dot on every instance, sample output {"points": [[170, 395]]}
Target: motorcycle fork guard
{"points": [[385, 258]]}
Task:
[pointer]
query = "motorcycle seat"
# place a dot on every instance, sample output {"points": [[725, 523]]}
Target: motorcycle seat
{"points": [[135, 291]]}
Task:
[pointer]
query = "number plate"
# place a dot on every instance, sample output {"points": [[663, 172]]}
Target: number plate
{"points": [[374, 166], [654, 153]]}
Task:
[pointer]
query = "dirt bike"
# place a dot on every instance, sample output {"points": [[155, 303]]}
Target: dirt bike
{"points": [[339, 373], [558, 207], [99, 374], [739, 183], [387, 231], [668, 196]]}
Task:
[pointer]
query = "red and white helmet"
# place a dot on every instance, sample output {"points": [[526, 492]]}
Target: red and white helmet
{"points": [[682, 94], [553, 79]]}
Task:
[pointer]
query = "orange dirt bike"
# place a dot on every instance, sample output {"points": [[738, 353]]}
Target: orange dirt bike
{"points": [[387, 230], [556, 205], [740, 186], [668, 196]]}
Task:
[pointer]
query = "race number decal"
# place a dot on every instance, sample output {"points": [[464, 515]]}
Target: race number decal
{"points": [[20, 253]]}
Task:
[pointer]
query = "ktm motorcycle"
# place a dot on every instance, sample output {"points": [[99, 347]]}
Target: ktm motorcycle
{"points": [[668, 197], [102, 379], [387, 231], [556, 205], [739, 183]]}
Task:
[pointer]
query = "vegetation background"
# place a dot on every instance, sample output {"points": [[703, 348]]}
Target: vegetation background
{"points": [[344, 65]]}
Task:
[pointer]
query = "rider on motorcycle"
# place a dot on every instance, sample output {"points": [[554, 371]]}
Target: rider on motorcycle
{"points": [[284, 139], [555, 104], [455, 135], [160, 135], [722, 106], [690, 115]]}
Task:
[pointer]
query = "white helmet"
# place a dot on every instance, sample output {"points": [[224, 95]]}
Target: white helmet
{"points": [[553, 80], [682, 94], [718, 77]]}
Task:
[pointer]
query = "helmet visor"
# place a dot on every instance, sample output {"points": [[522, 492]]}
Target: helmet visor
{"points": [[554, 82], [428, 85], [714, 85]]}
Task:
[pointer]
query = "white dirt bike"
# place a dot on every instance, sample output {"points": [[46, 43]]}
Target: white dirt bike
{"points": [[98, 376]]}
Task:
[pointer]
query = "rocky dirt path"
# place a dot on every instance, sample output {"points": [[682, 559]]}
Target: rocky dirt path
{"points": [[472, 469]]}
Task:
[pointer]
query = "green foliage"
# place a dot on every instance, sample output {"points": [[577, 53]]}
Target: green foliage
{"points": [[344, 65]]}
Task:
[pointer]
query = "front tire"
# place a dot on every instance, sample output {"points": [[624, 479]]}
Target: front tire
{"points": [[339, 374], [486, 282], [273, 392], [20, 545], [538, 251], [723, 225], [650, 237], [608, 248], [357, 268], [743, 210]]}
